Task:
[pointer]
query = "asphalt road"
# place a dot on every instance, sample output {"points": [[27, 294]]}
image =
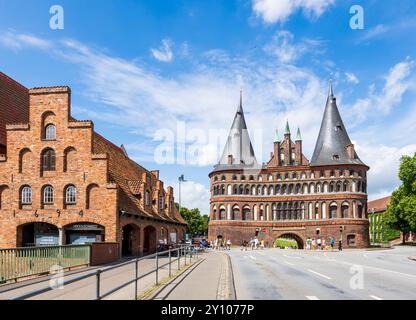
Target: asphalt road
{"points": [[274, 274]]}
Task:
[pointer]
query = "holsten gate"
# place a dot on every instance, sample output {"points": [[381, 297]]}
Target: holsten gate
{"points": [[290, 196]]}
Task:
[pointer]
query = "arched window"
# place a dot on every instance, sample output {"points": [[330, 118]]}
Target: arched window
{"points": [[48, 160], [25, 157], [333, 211], [246, 213], [71, 195], [147, 198], [50, 132], [344, 210], [48, 197], [26, 195]]}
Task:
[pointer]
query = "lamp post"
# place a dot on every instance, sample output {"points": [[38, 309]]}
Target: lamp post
{"points": [[180, 179]]}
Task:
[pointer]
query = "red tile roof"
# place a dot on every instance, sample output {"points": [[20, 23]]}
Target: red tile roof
{"points": [[14, 104], [128, 176], [378, 205]]}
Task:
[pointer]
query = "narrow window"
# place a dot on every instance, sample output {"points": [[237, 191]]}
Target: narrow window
{"points": [[26, 195], [50, 132], [71, 195], [48, 195], [48, 160]]}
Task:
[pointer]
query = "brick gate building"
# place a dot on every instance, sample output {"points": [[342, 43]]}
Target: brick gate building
{"points": [[291, 196], [63, 183]]}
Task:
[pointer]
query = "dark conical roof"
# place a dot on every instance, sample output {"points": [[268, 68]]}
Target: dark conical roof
{"points": [[238, 143], [331, 147]]}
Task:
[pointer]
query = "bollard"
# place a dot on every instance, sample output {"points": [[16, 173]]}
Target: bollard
{"points": [[98, 277], [170, 263], [157, 268], [136, 280], [179, 258]]}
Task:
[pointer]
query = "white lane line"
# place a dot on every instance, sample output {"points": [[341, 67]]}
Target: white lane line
{"points": [[289, 263], [252, 258], [319, 274], [312, 297], [292, 257], [375, 297]]}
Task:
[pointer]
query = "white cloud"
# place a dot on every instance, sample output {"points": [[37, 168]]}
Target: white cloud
{"points": [[397, 82], [164, 52], [384, 163], [374, 32], [193, 195], [287, 50], [18, 41], [351, 77], [272, 11]]}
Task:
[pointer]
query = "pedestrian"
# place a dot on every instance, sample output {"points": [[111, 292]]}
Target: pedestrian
{"points": [[228, 244], [332, 243], [319, 243], [256, 243], [323, 244], [262, 244], [340, 245], [313, 244]]}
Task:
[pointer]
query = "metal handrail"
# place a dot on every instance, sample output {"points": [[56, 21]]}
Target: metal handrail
{"points": [[182, 250]]}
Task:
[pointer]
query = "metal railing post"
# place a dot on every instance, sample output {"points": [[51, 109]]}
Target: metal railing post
{"points": [[98, 286], [157, 268], [184, 249], [136, 280], [179, 258], [170, 263]]}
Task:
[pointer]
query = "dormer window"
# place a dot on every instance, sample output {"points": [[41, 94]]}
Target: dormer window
{"points": [[335, 157], [338, 127], [50, 132]]}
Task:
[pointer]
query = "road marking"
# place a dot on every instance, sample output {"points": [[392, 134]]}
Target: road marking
{"points": [[290, 264], [252, 258], [312, 298], [292, 257], [375, 297], [261, 253], [319, 274]]}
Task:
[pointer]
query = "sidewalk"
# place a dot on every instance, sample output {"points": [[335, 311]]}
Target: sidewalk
{"points": [[86, 289], [210, 279]]}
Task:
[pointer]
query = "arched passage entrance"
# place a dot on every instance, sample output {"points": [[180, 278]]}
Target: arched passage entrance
{"points": [[130, 240], [293, 236], [37, 234], [149, 245]]}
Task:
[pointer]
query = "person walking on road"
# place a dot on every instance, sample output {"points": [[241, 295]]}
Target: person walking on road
{"points": [[228, 244], [256, 243], [319, 243], [262, 244], [313, 244], [340, 245], [332, 243]]}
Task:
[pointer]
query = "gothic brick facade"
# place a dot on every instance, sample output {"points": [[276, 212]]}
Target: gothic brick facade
{"points": [[63, 183], [291, 196]]}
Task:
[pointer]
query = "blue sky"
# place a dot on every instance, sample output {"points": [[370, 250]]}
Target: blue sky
{"points": [[142, 70]]}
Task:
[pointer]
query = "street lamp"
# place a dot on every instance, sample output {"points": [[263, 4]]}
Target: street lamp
{"points": [[180, 179]]}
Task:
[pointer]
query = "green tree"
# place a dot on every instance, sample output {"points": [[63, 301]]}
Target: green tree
{"points": [[401, 213], [197, 223]]}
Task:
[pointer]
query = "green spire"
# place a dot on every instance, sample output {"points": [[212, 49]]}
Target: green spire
{"points": [[287, 131], [298, 136], [277, 136]]}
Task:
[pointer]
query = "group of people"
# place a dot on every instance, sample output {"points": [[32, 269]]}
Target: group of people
{"points": [[320, 244], [221, 244], [254, 244]]}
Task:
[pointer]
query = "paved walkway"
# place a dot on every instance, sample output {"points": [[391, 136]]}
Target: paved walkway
{"points": [[210, 279], [86, 289]]}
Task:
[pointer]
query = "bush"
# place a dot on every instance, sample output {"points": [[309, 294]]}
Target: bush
{"points": [[283, 243]]}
